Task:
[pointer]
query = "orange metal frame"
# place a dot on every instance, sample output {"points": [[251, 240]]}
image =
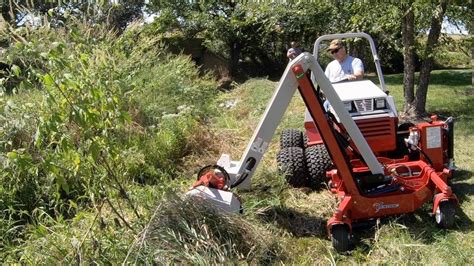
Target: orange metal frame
{"points": [[416, 182]]}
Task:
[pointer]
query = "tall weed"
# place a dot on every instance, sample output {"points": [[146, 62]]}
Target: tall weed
{"points": [[114, 110], [188, 231]]}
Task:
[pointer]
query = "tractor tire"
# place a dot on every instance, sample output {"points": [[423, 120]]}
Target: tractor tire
{"points": [[340, 237], [317, 162], [292, 165], [444, 214], [291, 138], [305, 141]]}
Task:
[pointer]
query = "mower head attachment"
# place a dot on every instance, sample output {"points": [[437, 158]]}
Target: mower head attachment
{"points": [[212, 186]]}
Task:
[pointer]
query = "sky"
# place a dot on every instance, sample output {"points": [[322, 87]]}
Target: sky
{"points": [[449, 28]]}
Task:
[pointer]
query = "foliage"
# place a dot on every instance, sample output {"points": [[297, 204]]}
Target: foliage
{"points": [[248, 34], [96, 126], [116, 15], [453, 53], [108, 111]]}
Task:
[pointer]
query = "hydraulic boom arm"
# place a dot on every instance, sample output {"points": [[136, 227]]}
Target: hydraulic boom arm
{"points": [[240, 172]]}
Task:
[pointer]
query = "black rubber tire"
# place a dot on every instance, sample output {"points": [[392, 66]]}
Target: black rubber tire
{"points": [[340, 238], [292, 165], [305, 141], [317, 162], [291, 138], [445, 213]]}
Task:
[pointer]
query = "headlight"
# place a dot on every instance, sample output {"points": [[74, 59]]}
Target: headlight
{"points": [[379, 103]]}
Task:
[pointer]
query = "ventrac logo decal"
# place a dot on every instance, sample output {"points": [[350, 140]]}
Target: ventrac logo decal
{"points": [[380, 206]]}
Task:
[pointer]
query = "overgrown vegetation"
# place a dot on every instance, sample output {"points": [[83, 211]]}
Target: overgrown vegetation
{"points": [[189, 231], [101, 132], [88, 118]]}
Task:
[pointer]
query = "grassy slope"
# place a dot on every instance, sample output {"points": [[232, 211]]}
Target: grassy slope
{"points": [[298, 217]]}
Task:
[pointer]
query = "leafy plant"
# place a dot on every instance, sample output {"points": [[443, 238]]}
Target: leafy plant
{"points": [[109, 113]]}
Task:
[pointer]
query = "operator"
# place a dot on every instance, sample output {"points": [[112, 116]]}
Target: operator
{"points": [[343, 66], [294, 51]]}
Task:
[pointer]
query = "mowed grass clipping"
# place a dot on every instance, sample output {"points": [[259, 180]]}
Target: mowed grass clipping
{"points": [[297, 217], [187, 230]]}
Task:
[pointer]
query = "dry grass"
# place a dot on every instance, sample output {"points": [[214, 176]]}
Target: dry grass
{"points": [[187, 231]]}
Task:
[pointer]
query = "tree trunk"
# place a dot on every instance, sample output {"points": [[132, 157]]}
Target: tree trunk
{"points": [[428, 57], [6, 11], [235, 49], [408, 38]]}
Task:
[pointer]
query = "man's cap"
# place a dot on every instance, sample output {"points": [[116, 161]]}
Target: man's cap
{"points": [[335, 44]]}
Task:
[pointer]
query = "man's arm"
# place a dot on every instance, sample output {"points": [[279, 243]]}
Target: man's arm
{"points": [[358, 68]]}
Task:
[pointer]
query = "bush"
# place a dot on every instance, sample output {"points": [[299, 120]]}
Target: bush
{"points": [[111, 110], [453, 53]]}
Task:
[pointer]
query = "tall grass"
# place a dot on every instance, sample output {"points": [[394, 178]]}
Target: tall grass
{"points": [[188, 231], [93, 120]]}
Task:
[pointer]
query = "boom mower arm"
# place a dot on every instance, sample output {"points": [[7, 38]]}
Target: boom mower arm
{"points": [[240, 172]]}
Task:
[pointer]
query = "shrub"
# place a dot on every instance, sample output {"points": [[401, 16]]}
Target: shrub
{"points": [[114, 109]]}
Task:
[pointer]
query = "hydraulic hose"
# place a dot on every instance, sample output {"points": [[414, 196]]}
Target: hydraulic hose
{"points": [[248, 167]]}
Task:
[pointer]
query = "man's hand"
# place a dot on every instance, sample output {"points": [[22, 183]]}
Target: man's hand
{"points": [[355, 76], [351, 77]]}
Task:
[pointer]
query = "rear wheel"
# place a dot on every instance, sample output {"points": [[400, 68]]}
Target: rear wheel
{"points": [[444, 214], [340, 237], [291, 138], [317, 162], [292, 165]]}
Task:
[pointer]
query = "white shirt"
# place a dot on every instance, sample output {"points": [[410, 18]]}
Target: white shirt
{"points": [[336, 71]]}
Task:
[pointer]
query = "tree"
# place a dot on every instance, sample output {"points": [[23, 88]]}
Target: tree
{"points": [[408, 36], [428, 58], [123, 12], [247, 33], [116, 15], [412, 19], [14, 11], [415, 103]]}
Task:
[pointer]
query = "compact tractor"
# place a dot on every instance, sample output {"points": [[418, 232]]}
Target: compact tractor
{"points": [[374, 166]]}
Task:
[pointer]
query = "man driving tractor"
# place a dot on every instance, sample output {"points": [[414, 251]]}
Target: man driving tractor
{"points": [[343, 66]]}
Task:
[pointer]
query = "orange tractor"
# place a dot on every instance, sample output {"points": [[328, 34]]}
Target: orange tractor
{"points": [[373, 167]]}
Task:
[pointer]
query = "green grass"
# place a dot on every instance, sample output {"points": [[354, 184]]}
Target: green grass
{"points": [[298, 217]]}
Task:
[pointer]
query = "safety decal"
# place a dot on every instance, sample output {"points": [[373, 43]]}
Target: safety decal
{"points": [[433, 137]]}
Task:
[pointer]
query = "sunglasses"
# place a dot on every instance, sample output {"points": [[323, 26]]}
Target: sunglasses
{"points": [[335, 51]]}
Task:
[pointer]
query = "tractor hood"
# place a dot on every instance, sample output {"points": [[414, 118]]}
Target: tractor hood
{"points": [[358, 90]]}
